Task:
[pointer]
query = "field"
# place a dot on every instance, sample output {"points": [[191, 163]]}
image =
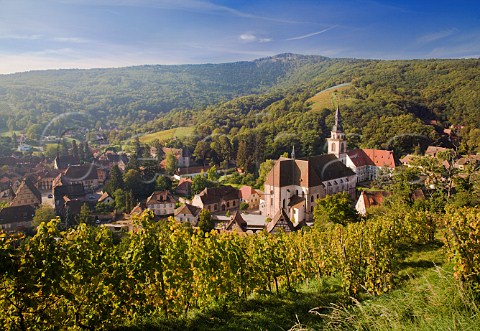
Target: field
{"points": [[326, 98], [180, 132]]}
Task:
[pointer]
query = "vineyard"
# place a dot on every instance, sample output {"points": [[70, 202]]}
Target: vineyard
{"points": [[85, 278]]}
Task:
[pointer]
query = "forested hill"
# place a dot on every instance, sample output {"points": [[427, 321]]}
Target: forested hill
{"points": [[272, 95], [123, 95]]}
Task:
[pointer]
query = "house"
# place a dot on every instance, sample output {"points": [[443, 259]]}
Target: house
{"points": [[46, 178], [64, 161], [187, 213], [71, 192], [6, 192], [183, 156], [16, 218], [105, 198], [251, 196], [369, 199], [407, 159], [236, 223], [367, 163], [162, 203], [86, 174], [184, 187], [280, 222], [433, 150], [218, 199], [27, 195]]}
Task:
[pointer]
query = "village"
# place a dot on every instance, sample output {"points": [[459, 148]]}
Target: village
{"points": [[291, 190]]}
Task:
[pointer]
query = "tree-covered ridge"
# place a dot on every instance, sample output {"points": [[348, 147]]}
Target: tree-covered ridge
{"points": [[387, 104], [124, 95]]}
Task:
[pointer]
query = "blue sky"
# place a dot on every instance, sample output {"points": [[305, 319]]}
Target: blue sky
{"points": [[49, 34]]}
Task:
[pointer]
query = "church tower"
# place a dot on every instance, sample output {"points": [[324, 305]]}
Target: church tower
{"points": [[337, 143]]}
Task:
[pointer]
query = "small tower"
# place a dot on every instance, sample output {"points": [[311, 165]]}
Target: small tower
{"points": [[337, 143], [293, 152]]}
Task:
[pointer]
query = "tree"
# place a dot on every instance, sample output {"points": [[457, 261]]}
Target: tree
{"points": [[205, 222], [85, 216], [335, 208], [199, 183], [212, 174], [133, 182], [201, 150], [163, 183], [171, 163], [75, 152], [119, 196], [222, 146], [265, 168], [242, 156], [116, 180], [51, 151], [43, 214]]}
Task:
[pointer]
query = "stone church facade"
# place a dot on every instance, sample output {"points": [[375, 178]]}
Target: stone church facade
{"points": [[294, 185]]}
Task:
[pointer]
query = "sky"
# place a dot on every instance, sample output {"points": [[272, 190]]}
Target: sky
{"points": [[54, 34]]}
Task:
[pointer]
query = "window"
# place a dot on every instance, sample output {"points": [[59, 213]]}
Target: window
{"points": [[333, 147], [233, 204], [311, 198]]}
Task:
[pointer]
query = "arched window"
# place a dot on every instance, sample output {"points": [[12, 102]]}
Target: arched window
{"points": [[333, 147], [311, 198], [342, 147]]}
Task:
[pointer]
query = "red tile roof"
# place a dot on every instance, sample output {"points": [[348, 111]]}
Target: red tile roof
{"points": [[372, 157], [247, 191]]}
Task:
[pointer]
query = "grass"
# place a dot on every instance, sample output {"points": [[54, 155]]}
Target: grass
{"points": [[324, 99], [7, 133], [427, 297], [180, 132]]}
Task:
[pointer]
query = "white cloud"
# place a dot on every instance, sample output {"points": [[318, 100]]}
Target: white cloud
{"points": [[21, 36], [250, 37], [311, 34], [431, 37], [192, 5], [73, 40]]}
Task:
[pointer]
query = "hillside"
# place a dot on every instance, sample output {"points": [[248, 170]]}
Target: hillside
{"points": [[126, 95], [384, 99]]}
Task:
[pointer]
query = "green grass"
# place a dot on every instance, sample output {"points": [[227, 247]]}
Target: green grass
{"points": [[180, 132], [325, 98], [7, 133]]}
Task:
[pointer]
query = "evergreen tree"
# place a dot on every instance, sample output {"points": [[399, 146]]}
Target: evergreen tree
{"points": [[170, 163], [75, 152], [116, 180], [242, 156]]}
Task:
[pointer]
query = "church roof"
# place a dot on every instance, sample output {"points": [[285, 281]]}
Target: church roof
{"points": [[338, 127], [307, 172]]}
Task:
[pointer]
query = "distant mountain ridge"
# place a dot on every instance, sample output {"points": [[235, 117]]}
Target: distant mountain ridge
{"points": [[123, 97]]}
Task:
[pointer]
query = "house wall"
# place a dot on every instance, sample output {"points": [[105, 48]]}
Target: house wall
{"points": [[162, 209]]}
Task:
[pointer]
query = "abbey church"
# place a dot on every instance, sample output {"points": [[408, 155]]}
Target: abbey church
{"points": [[293, 185]]}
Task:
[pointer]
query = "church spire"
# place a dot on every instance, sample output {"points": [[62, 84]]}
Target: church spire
{"points": [[338, 127]]}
